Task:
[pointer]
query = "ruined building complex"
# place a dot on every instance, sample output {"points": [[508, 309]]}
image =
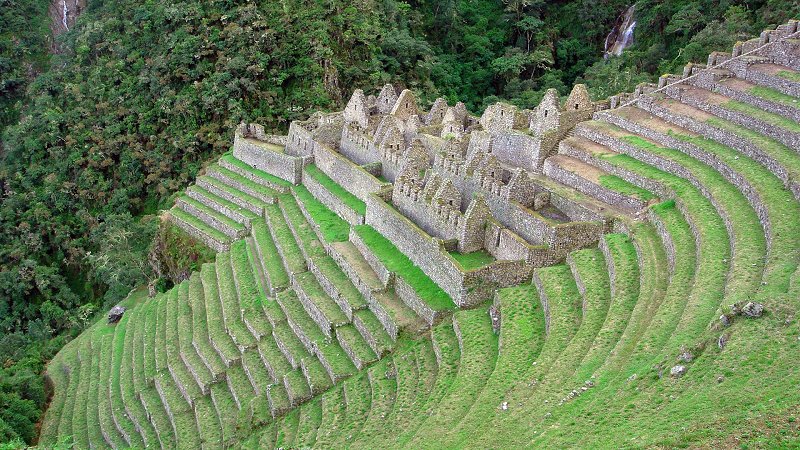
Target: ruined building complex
{"points": [[616, 230]]}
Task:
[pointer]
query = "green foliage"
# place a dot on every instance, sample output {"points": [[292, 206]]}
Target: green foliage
{"points": [[178, 253]]}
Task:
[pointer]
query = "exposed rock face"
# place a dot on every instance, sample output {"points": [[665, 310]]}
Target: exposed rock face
{"points": [[115, 314], [64, 13], [621, 36]]}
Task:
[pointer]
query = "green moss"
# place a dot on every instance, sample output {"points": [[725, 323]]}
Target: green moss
{"points": [[332, 227], [617, 184], [397, 262], [768, 117], [774, 95], [334, 188], [473, 260]]}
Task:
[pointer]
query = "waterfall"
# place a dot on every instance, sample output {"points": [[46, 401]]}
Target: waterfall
{"points": [[65, 12], [621, 35]]}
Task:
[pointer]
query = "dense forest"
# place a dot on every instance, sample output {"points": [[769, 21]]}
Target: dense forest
{"points": [[98, 136]]}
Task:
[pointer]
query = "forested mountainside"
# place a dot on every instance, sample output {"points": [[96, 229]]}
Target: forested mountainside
{"points": [[98, 137]]}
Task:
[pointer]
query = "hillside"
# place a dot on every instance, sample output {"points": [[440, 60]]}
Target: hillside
{"points": [[615, 273]]}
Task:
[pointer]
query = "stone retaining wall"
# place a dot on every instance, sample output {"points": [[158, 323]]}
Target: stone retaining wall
{"points": [[595, 190], [281, 165], [333, 202], [344, 172], [206, 239]]}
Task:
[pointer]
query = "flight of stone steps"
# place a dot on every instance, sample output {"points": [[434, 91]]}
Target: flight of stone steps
{"points": [[294, 337]]}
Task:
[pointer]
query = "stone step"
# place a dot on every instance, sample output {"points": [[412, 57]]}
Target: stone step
{"points": [[383, 387], [239, 385], [777, 127], [218, 335], [200, 339], [373, 332], [184, 380], [297, 388], [268, 257], [120, 416], [333, 196], [242, 199], [319, 306], [357, 349], [212, 218], [279, 402], [779, 158], [255, 370], [211, 237], [275, 363], [316, 375], [260, 177], [208, 423], [221, 205], [308, 424], [183, 323], [762, 97], [251, 297], [291, 255], [229, 300], [773, 76], [226, 409], [589, 180], [478, 345]]}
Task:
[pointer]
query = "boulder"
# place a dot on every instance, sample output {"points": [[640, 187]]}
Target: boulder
{"points": [[116, 314], [678, 371], [753, 309]]}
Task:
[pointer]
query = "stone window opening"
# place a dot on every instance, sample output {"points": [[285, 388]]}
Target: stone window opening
{"points": [[576, 106], [545, 112], [497, 241]]}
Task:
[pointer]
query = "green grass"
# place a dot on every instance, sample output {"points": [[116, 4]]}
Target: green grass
{"points": [[789, 75], [296, 386], [234, 192], [221, 201], [617, 184], [217, 333], [478, 360], [243, 183], [200, 225], [200, 327], [383, 394], [251, 297], [334, 188], [522, 336], [333, 416], [259, 174], [287, 429], [774, 95], [369, 321], [208, 423], [254, 366], [183, 323], [231, 309], [226, 410], [785, 156], [473, 260], [358, 398], [397, 262], [768, 117], [212, 213], [332, 227], [289, 251], [272, 356], [269, 256], [308, 424]]}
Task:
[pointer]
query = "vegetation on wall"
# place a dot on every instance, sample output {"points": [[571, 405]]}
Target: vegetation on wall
{"points": [[146, 92]]}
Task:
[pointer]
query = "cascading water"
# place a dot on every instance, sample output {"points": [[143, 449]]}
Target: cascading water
{"points": [[65, 14], [621, 36]]}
